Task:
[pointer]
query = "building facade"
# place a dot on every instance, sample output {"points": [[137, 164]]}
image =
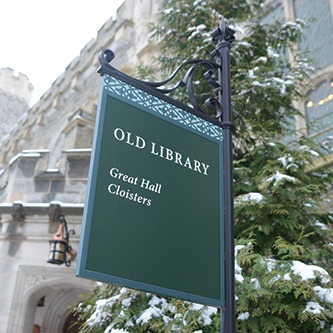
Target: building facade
{"points": [[45, 156], [44, 163]]}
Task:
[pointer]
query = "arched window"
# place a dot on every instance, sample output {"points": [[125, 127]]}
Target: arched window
{"points": [[319, 111]]}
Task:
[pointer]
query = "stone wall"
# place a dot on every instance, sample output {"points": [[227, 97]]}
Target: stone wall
{"points": [[44, 163], [15, 96], [16, 84]]}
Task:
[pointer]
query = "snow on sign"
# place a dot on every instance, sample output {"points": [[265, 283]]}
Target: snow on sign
{"points": [[153, 217]]}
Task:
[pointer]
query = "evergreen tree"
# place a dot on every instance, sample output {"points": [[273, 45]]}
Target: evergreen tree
{"points": [[283, 234]]}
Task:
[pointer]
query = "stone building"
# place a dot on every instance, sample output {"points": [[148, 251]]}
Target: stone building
{"points": [[45, 155], [44, 162]]}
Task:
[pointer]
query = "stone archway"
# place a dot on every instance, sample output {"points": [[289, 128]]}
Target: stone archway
{"points": [[57, 312], [56, 286]]}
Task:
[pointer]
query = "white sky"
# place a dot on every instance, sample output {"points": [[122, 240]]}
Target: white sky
{"points": [[40, 38]]}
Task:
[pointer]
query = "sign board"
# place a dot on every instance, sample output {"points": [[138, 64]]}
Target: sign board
{"points": [[153, 218]]}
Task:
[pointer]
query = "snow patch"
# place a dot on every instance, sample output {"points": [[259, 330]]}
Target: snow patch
{"points": [[251, 74], [271, 53], [206, 315], [270, 263], [307, 272], [157, 309], [238, 248], [287, 162], [262, 59], [126, 302], [147, 315], [168, 11], [325, 294], [256, 283], [308, 149], [322, 226], [287, 277], [196, 30], [197, 307], [100, 314], [238, 270], [238, 276], [114, 330], [243, 316], [313, 307], [251, 198], [278, 177]]}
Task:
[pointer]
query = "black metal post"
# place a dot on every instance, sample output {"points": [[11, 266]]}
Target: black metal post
{"points": [[223, 37]]}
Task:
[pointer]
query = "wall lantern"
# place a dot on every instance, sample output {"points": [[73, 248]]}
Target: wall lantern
{"points": [[60, 250]]}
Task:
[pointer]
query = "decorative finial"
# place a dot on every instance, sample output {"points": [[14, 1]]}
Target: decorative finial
{"points": [[223, 33]]}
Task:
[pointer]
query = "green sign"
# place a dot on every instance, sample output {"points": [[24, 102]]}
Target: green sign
{"points": [[154, 212]]}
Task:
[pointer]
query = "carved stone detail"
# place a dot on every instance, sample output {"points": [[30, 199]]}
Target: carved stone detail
{"points": [[17, 212], [54, 211]]}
